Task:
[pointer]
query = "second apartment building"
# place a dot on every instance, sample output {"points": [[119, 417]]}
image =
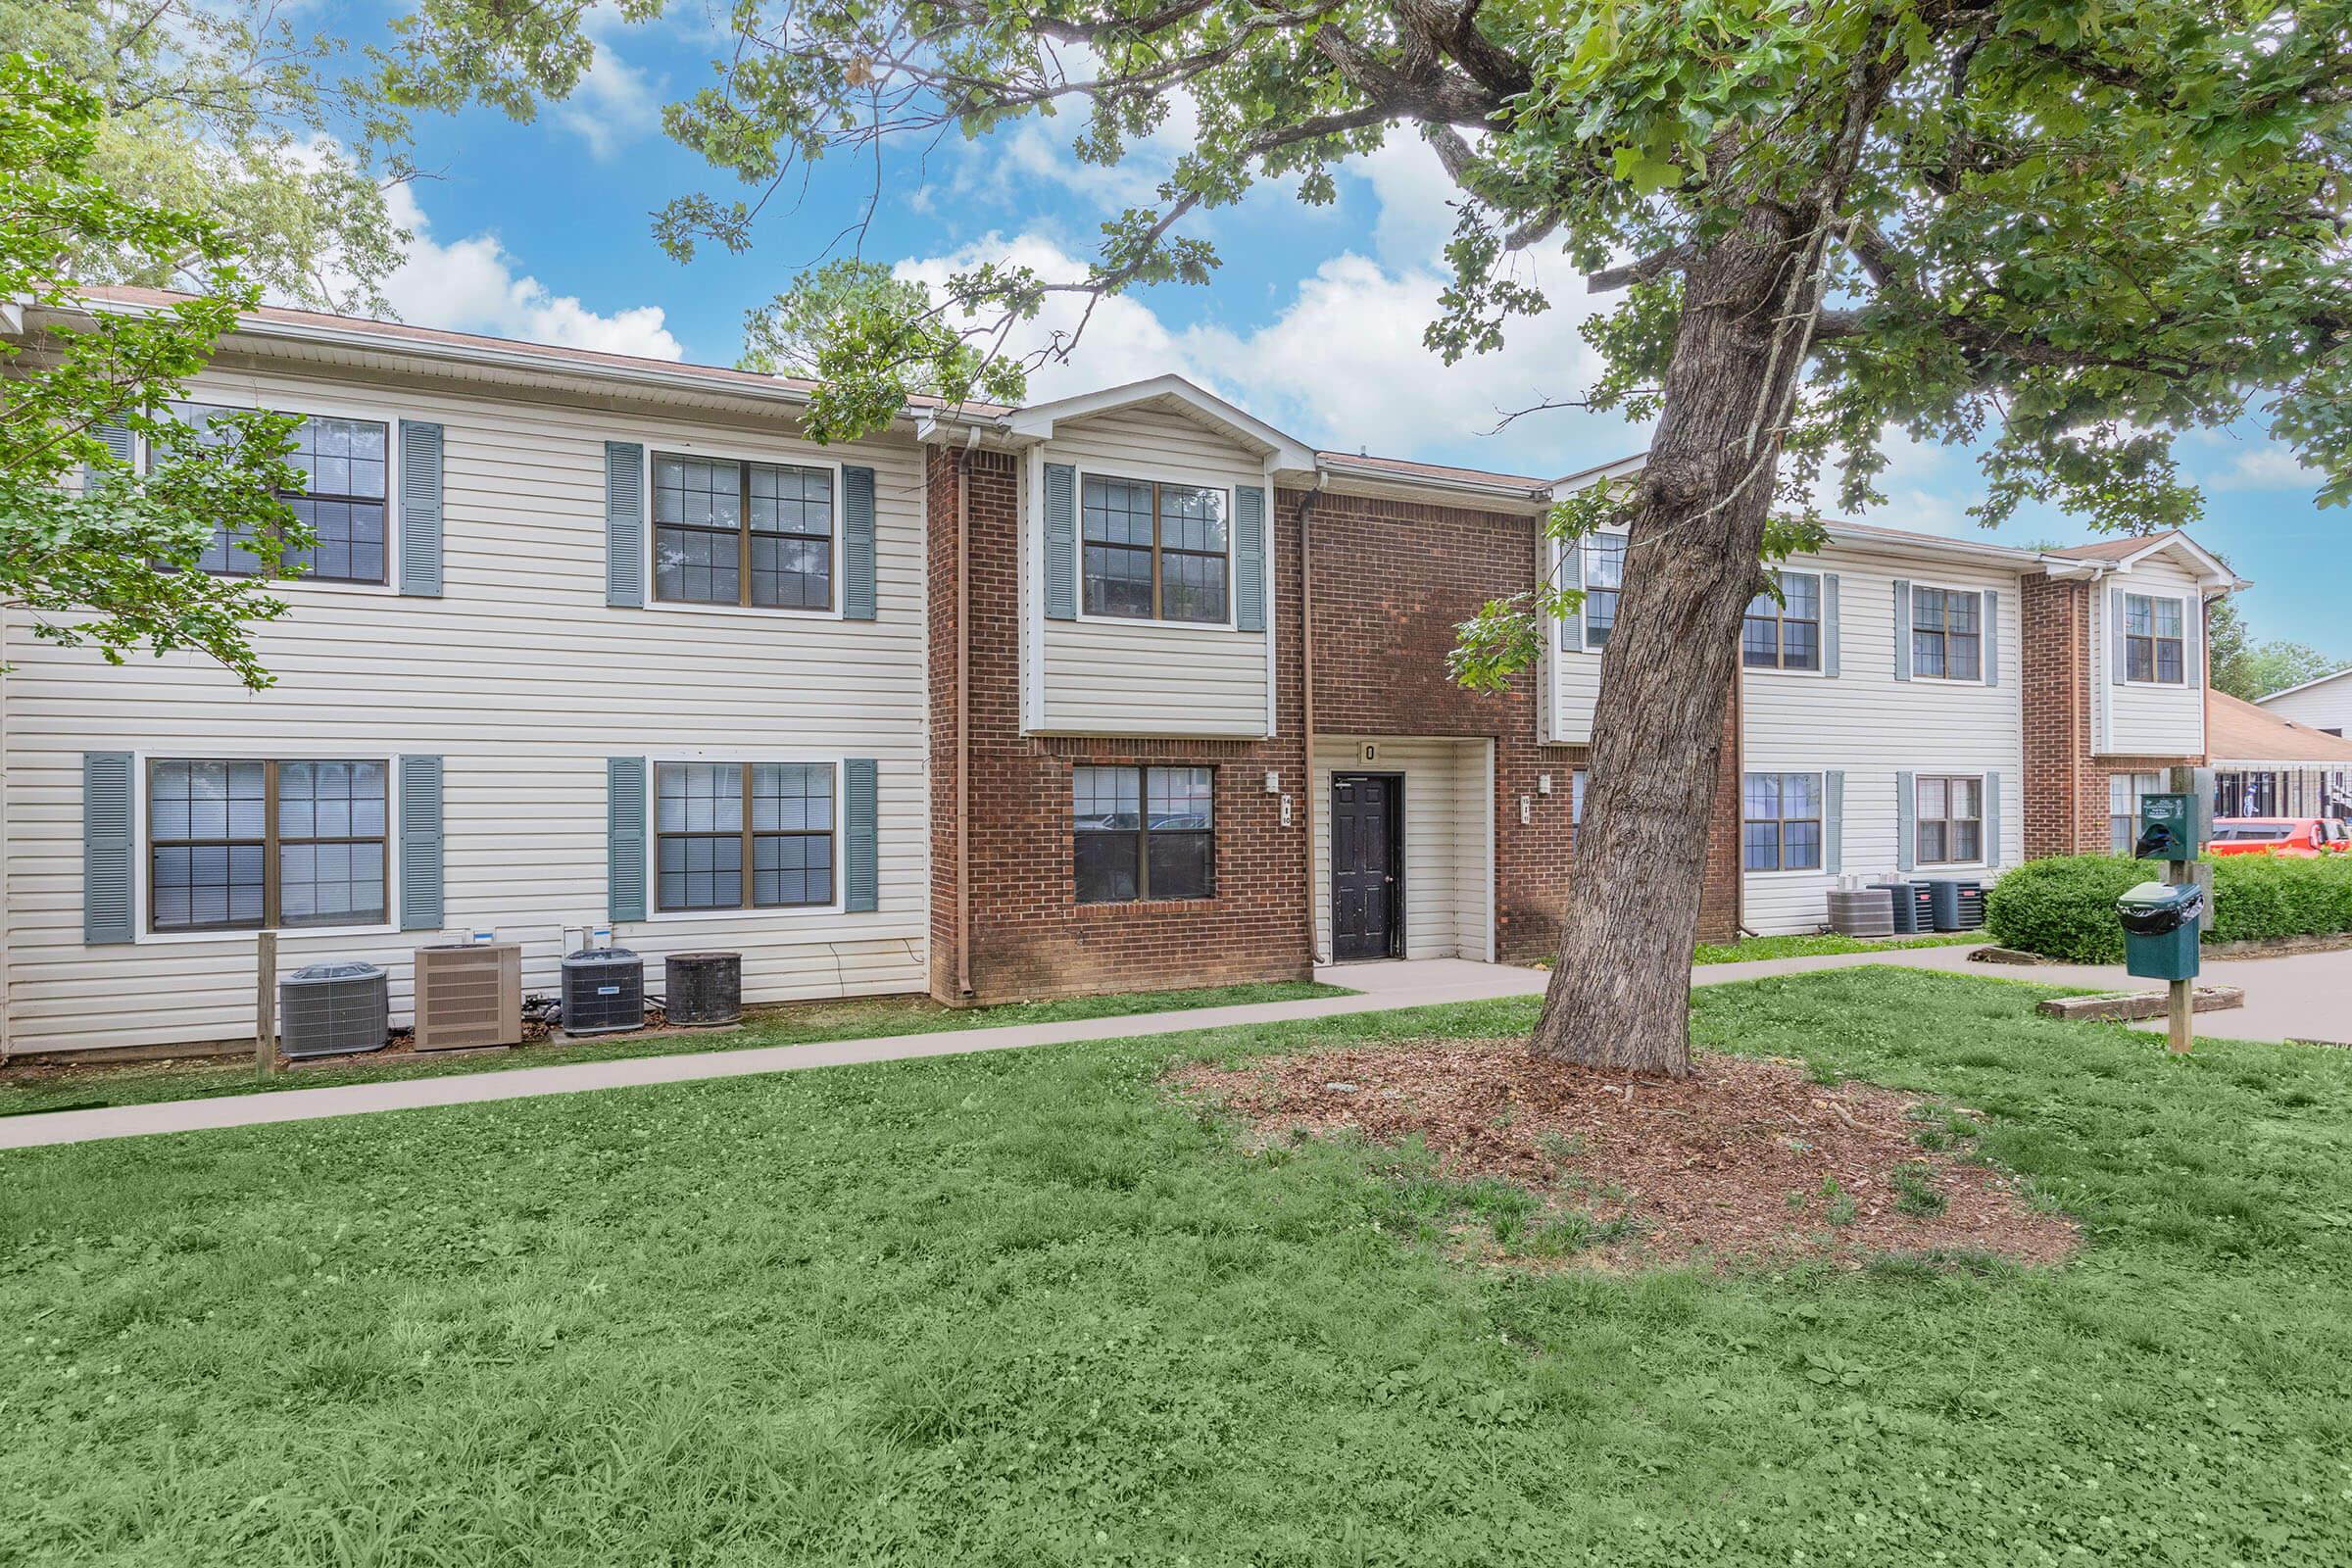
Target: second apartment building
{"points": [[1120, 691]]}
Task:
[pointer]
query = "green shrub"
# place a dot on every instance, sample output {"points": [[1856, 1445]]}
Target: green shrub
{"points": [[2064, 906]]}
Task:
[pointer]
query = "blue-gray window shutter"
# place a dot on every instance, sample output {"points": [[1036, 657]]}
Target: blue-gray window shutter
{"points": [[624, 528], [2116, 658], [1906, 828], [625, 838], [1833, 822], [1993, 819], [1250, 559], [1061, 542], [421, 512], [2192, 627], [1902, 629], [1572, 576], [107, 874], [1829, 623], [857, 542], [119, 444], [421, 901], [1992, 637], [860, 861]]}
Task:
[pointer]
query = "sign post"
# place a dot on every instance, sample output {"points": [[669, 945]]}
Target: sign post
{"points": [[2173, 829]]}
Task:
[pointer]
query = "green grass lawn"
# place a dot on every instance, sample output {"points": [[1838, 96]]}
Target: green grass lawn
{"points": [[1822, 943], [1018, 1308], [856, 1018]]}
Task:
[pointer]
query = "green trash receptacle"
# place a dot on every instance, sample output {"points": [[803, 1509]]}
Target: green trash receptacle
{"points": [[2161, 922]]}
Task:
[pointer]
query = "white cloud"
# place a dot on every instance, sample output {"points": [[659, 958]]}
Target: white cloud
{"points": [[474, 285], [2269, 467], [1341, 364], [614, 102]]}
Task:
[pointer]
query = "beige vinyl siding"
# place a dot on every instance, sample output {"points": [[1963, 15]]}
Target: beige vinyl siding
{"points": [[1149, 677], [1872, 726], [2327, 706], [1448, 838], [525, 681], [2146, 720]]}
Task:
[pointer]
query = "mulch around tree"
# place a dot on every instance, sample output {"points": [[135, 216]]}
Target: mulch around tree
{"points": [[1745, 1160]]}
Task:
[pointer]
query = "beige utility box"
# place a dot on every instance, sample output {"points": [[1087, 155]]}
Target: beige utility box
{"points": [[469, 994]]}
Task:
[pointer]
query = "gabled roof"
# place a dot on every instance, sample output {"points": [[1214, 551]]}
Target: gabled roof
{"points": [[2238, 731], [1171, 392], [2126, 553], [2306, 685]]}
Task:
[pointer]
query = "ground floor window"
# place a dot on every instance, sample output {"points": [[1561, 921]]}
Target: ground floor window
{"points": [[1143, 833], [238, 843], [712, 821], [1950, 819], [1780, 826], [2125, 792]]}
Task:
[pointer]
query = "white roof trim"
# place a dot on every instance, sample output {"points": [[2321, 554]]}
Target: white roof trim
{"points": [[2209, 566], [1038, 420], [2306, 685]]}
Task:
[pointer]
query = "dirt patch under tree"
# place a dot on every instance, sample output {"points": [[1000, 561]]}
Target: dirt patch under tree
{"points": [[1746, 1159]]}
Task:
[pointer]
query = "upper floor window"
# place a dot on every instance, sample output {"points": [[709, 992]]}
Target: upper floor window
{"points": [[757, 534], [1950, 820], [1784, 633], [1780, 826], [1948, 634], [2153, 640], [342, 500], [1144, 833], [1604, 578], [1154, 551], [742, 835], [239, 844]]}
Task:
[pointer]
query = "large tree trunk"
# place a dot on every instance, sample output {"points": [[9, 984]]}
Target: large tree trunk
{"points": [[1620, 992]]}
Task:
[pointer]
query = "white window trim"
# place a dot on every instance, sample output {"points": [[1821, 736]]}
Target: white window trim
{"points": [[143, 847], [1821, 651], [255, 400], [1919, 775], [1151, 475], [1584, 622], [2187, 643], [753, 450], [654, 914], [1976, 591], [1822, 794]]}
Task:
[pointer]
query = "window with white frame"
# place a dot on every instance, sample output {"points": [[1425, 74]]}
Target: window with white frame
{"points": [[346, 480], [2154, 640], [755, 534], [1780, 826], [1604, 579], [1785, 632], [1948, 822], [2124, 793], [715, 821], [242, 844], [1152, 551], [1948, 634]]}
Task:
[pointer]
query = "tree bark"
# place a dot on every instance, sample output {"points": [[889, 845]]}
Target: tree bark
{"points": [[1620, 992]]}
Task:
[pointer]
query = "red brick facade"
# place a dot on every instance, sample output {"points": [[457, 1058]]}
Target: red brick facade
{"points": [[1030, 935], [2066, 809], [1391, 581]]}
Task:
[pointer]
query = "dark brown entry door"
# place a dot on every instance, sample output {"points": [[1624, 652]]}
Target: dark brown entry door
{"points": [[1367, 872]]}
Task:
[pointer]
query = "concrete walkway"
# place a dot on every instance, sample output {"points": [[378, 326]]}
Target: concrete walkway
{"points": [[2305, 996]]}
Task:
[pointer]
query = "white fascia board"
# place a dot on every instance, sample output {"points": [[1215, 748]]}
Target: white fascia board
{"points": [[1037, 421]]}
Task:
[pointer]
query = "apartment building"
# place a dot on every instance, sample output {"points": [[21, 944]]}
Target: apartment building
{"points": [[1122, 690]]}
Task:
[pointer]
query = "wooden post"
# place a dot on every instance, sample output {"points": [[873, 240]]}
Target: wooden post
{"points": [[2180, 1001], [265, 1003]]}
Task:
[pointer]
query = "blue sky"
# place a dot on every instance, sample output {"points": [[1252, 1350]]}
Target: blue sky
{"points": [[1313, 322]]}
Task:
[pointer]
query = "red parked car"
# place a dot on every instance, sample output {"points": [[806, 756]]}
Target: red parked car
{"points": [[2300, 837]]}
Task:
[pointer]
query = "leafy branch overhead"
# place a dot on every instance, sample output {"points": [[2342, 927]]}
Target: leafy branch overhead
{"points": [[100, 551], [2070, 230]]}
